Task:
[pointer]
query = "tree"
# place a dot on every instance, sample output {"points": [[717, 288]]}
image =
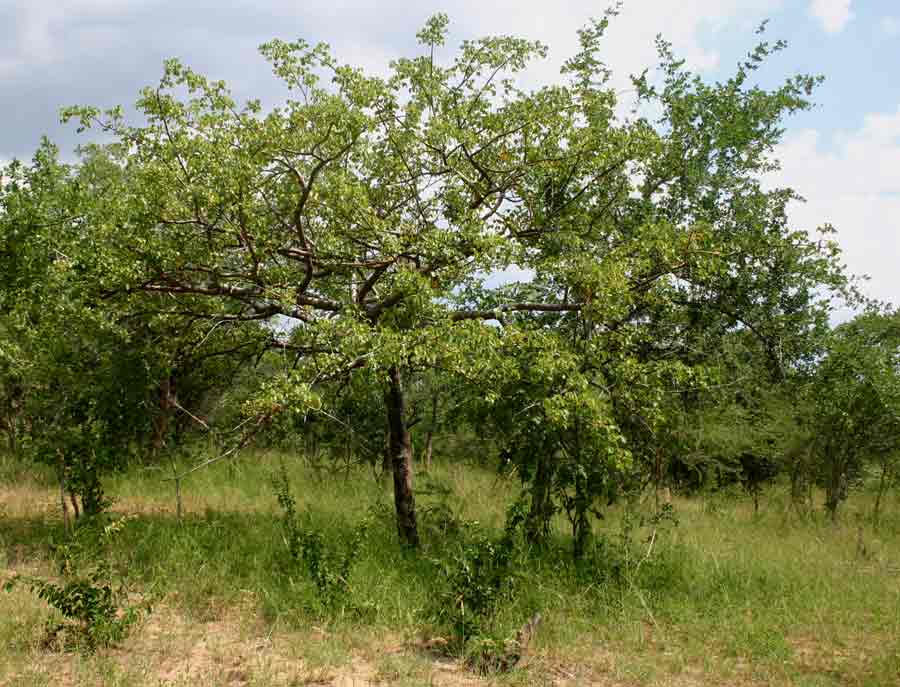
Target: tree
{"points": [[366, 213], [854, 402], [75, 382], [356, 211], [663, 241], [81, 379]]}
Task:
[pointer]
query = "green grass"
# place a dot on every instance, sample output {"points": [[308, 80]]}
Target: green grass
{"points": [[724, 597]]}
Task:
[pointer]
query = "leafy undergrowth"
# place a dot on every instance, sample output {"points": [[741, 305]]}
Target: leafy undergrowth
{"points": [[721, 597]]}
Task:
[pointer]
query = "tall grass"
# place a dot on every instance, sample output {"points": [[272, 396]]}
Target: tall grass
{"points": [[724, 595]]}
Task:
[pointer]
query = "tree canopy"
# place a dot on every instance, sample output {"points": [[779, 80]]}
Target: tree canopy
{"points": [[358, 230]]}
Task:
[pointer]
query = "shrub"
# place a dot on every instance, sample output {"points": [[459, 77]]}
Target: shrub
{"points": [[475, 582], [327, 564], [91, 598]]}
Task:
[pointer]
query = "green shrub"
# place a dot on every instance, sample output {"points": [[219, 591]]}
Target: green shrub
{"points": [[91, 598], [475, 582], [328, 564]]}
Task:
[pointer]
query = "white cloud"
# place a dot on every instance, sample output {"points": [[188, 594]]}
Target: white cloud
{"points": [[833, 14], [40, 25], [890, 25], [360, 31], [853, 184]]}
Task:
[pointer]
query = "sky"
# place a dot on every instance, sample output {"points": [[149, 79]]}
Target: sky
{"points": [[843, 156]]}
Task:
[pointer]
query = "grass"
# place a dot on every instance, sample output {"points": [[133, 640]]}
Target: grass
{"points": [[724, 597]]}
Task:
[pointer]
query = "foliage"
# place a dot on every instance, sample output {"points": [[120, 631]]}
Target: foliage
{"points": [[94, 605], [79, 384], [476, 580], [335, 273], [328, 565], [366, 214], [555, 428], [854, 401], [743, 434]]}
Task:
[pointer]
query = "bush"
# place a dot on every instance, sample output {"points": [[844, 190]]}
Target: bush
{"points": [[475, 583], [93, 603], [635, 556], [328, 564]]}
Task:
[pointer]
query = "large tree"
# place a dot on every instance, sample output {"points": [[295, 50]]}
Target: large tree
{"points": [[360, 218]]}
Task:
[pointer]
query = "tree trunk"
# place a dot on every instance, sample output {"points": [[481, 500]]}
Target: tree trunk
{"points": [[658, 476], [61, 473], [11, 437], [162, 420], [581, 527], [386, 460], [429, 444], [13, 413], [75, 509], [537, 524], [802, 480], [798, 492], [834, 486], [90, 489], [400, 448]]}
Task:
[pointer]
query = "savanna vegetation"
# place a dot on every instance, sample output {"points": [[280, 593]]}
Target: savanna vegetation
{"points": [[431, 378]]}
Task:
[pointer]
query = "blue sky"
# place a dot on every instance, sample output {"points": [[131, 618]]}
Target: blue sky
{"points": [[844, 156]]}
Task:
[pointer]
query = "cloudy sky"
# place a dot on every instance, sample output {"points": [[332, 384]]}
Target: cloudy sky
{"points": [[843, 156]]}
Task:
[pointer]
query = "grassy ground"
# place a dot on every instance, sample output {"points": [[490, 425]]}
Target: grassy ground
{"points": [[723, 598]]}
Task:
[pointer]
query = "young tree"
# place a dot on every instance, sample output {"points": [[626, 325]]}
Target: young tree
{"points": [[81, 375], [77, 384], [663, 241], [854, 401]]}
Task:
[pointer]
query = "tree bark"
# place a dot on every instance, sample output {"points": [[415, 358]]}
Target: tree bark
{"points": [[162, 420], [882, 485], [537, 524], [61, 473], [400, 447], [75, 509], [12, 415], [386, 460], [429, 443], [835, 486], [581, 526], [11, 437]]}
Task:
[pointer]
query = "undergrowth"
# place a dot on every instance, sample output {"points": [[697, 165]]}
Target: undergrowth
{"points": [[89, 594], [474, 581], [327, 562], [771, 598]]}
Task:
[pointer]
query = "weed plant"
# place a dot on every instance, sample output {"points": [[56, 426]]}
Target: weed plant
{"points": [[328, 562]]}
